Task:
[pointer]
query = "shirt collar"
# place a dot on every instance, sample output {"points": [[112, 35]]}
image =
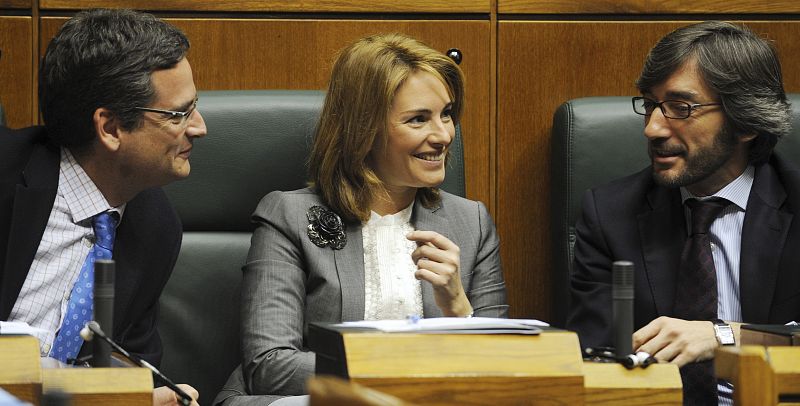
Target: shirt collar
{"points": [[737, 192], [82, 196], [401, 217]]}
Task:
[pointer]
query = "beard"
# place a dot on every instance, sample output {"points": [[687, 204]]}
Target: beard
{"points": [[699, 164]]}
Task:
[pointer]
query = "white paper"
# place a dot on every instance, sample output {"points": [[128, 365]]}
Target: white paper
{"points": [[18, 327], [445, 324]]}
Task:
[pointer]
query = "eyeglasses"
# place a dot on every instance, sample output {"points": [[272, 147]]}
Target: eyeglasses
{"points": [[669, 108], [180, 118]]}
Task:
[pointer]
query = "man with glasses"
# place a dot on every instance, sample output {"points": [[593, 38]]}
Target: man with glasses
{"points": [[119, 105], [708, 225]]}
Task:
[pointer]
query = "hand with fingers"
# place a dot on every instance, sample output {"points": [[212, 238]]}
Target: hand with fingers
{"points": [[677, 341], [163, 396], [438, 263]]}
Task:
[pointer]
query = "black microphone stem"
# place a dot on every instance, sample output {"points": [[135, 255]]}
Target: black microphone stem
{"points": [[185, 399], [622, 307]]}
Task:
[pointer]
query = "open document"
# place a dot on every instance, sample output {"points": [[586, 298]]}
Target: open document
{"points": [[451, 325]]}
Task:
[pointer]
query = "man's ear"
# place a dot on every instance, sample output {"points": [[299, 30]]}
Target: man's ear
{"points": [[107, 129], [744, 138]]}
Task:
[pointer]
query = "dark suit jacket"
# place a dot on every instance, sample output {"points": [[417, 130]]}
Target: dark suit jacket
{"points": [[145, 249], [637, 220]]}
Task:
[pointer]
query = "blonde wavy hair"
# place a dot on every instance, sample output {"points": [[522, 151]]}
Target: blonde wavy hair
{"points": [[364, 81]]}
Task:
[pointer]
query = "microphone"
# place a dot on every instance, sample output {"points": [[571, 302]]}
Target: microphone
{"points": [[103, 309], [622, 307], [93, 329]]}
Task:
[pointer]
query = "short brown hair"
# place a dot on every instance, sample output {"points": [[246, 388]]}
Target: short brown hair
{"points": [[364, 81]]}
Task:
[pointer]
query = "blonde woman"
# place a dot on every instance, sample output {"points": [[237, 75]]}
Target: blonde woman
{"points": [[372, 237]]}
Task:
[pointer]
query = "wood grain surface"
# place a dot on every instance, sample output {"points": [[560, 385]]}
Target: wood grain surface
{"points": [[435, 369], [16, 70], [21, 372], [102, 386], [374, 6], [613, 384], [15, 4], [647, 7]]}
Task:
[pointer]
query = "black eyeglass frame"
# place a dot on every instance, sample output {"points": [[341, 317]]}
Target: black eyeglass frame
{"points": [[690, 107], [182, 115]]}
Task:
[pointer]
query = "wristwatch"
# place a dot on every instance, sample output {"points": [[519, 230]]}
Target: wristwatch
{"points": [[724, 333]]}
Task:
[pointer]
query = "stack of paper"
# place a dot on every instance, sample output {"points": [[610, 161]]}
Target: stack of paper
{"points": [[452, 325]]}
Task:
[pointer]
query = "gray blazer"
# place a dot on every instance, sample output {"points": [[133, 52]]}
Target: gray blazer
{"points": [[289, 282]]}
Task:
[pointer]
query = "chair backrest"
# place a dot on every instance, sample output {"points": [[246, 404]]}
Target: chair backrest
{"points": [[596, 140], [2, 115], [257, 142]]}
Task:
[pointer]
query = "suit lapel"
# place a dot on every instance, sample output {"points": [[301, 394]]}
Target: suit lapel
{"points": [[763, 236], [662, 227], [433, 219], [350, 268], [33, 202]]}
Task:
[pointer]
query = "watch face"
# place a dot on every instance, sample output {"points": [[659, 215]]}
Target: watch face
{"points": [[724, 334]]}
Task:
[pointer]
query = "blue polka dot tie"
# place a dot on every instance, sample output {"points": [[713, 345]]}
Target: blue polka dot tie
{"points": [[68, 341]]}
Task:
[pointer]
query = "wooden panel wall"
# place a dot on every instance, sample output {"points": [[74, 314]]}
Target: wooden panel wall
{"points": [[346, 6], [298, 54], [522, 59], [623, 7], [16, 69], [24, 4]]}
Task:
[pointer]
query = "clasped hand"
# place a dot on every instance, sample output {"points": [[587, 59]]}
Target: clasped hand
{"points": [[438, 262], [677, 341], [163, 396]]}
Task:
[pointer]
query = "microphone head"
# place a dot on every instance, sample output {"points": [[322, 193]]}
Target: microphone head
{"points": [[622, 280], [87, 333], [95, 328]]}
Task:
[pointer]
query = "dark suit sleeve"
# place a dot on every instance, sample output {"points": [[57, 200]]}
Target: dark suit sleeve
{"points": [[146, 249], [590, 310]]}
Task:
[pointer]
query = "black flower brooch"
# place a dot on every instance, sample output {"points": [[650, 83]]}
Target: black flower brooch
{"points": [[325, 228]]}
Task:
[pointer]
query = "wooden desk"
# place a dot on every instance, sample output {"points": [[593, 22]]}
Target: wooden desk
{"points": [[21, 375], [21, 372], [612, 384], [760, 375], [102, 386], [429, 369]]}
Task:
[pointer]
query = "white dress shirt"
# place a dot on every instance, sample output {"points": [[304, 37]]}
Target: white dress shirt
{"points": [[67, 239], [726, 243]]}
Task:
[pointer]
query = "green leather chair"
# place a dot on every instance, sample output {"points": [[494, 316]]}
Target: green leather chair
{"points": [[257, 142], [596, 140]]}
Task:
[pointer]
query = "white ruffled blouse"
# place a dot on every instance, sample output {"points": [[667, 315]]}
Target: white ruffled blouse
{"points": [[391, 291]]}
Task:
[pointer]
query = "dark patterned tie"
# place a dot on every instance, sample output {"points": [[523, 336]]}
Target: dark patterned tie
{"points": [[696, 295], [68, 341]]}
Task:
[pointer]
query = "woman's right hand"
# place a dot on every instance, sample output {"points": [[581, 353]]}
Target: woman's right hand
{"points": [[438, 262]]}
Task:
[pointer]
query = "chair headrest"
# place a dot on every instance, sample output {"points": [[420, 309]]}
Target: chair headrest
{"points": [[258, 141], [599, 139]]}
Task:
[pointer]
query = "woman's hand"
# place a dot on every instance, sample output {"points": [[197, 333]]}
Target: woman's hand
{"points": [[438, 263]]}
